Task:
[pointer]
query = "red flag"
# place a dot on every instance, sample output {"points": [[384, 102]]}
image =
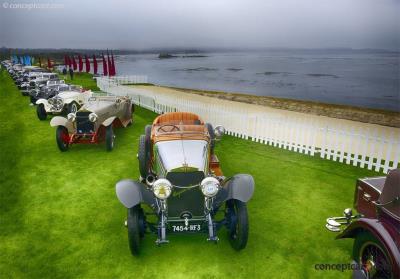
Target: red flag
{"points": [[74, 63], [94, 64], [49, 63], [87, 64], [80, 63], [105, 72], [69, 62], [112, 64], [109, 64]]}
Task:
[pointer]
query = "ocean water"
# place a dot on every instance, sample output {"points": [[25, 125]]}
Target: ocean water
{"points": [[359, 78]]}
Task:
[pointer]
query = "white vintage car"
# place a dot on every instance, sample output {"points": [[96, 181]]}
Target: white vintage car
{"points": [[63, 103]]}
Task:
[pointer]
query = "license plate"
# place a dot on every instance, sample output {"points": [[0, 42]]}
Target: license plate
{"points": [[188, 228]]}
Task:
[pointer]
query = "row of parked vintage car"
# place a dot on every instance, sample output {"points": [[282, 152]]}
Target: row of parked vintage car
{"points": [[80, 116], [182, 184]]}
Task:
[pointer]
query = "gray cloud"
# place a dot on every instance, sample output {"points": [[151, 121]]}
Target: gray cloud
{"points": [[195, 23]]}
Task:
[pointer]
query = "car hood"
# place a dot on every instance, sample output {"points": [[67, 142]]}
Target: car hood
{"points": [[98, 107], [68, 94], [182, 155]]}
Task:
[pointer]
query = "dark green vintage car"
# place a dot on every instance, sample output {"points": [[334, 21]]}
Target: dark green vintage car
{"points": [[181, 188]]}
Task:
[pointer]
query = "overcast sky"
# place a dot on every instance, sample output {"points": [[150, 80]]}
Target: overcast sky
{"points": [[200, 23]]}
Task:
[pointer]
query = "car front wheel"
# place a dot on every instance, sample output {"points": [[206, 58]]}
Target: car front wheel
{"points": [[135, 225], [238, 224], [372, 256], [41, 112], [73, 107], [62, 138], [109, 138]]}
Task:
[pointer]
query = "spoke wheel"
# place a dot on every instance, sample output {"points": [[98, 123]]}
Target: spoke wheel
{"points": [[41, 112], [62, 138], [73, 107], [372, 256], [109, 138]]}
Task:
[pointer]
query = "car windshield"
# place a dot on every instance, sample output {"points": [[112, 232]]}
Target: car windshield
{"points": [[182, 155]]}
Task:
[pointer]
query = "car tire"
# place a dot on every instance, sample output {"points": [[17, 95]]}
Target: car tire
{"points": [[143, 157], [61, 133], [238, 224], [212, 136], [41, 112], [147, 132], [365, 244], [73, 107], [109, 138], [135, 218]]}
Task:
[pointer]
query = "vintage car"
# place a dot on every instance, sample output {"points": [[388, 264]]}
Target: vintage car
{"points": [[376, 227], [40, 79], [51, 89], [181, 182], [63, 103], [94, 122]]}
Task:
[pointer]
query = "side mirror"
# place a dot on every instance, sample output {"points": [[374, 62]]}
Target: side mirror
{"points": [[219, 131]]}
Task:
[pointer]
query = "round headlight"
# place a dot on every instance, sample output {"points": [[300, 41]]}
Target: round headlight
{"points": [[219, 131], [71, 117], [162, 188], [209, 186], [92, 117]]}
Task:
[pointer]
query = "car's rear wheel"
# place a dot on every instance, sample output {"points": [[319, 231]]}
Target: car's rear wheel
{"points": [[62, 138], [238, 224], [109, 138], [147, 132], [372, 256], [73, 107], [136, 228], [143, 157], [41, 112]]}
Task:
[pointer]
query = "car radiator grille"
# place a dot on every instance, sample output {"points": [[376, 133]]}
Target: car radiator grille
{"points": [[184, 199], [83, 125]]}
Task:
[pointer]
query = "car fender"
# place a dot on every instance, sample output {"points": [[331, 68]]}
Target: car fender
{"points": [[45, 103], [238, 187], [131, 193], [379, 231], [108, 121], [42, 101], [62, 121]]}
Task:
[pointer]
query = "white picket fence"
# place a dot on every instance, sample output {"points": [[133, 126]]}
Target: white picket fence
{"points": [[360, 144]]}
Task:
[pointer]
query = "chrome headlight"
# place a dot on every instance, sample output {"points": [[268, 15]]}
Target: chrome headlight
{"points": [[71, 117], [219, 131], [162, 188], [92, 117], [209, 186], [51, 101]]}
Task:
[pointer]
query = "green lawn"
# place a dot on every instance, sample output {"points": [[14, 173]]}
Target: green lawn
{"points": [[60, 218], [83, 79]]}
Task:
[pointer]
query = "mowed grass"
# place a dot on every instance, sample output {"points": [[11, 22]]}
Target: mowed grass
{"points": [[84, 79], [60, 218]]}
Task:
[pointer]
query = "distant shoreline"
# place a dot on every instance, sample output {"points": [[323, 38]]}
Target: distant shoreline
{"points": [[366, 115]]}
